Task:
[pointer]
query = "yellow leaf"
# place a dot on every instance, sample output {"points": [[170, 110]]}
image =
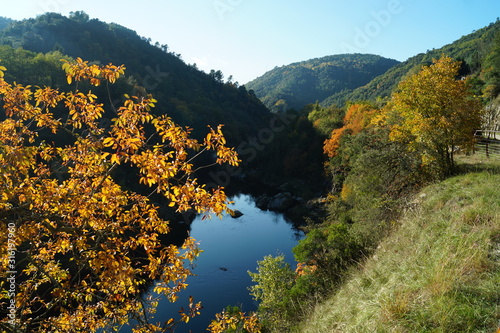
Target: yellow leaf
{"points": [[108, 142], [2, 68], [115, 159]]}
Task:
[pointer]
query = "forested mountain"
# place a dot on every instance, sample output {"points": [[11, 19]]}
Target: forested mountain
{"points": [[190, 96], [4, 22], [335, 80], [302, 83], [473, 50], [31, 51]]}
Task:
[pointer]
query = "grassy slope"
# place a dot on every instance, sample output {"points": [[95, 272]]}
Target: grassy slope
{"points": [[439, 271]]}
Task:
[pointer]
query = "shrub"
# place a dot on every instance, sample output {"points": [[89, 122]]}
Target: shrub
{"points": [[274, 279]]}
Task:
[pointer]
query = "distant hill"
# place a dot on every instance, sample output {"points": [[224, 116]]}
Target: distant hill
{"points": [[188, 95], [335, 80], [473, 50], [298, 84], [4, 22]]}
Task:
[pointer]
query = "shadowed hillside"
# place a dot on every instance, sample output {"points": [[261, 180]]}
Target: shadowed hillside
{"points": [[190, 96]]}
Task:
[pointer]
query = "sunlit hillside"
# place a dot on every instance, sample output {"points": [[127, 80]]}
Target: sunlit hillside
{"points": [[438, 271]]}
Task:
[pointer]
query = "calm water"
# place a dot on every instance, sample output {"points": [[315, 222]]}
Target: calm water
{"points": [[231, 248]]}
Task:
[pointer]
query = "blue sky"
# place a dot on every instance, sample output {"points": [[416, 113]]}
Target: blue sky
{"points": [[246, 38]]}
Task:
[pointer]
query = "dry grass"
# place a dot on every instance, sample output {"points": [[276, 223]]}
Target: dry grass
{"points": [[438, 272]]}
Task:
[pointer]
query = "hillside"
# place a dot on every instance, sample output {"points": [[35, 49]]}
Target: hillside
{"points": [[4, 22], [438, 271], [190, 96], [298, 84], [472, 50], [335, 80]]}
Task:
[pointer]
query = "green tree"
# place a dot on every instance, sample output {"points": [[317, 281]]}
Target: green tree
{"points": [[434, 113], [274, 279], [325, 120], [332, 249], [492, 69], [80, 16]]}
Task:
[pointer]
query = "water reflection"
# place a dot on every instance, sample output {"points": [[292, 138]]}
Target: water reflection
{"points": [[231, 248]]}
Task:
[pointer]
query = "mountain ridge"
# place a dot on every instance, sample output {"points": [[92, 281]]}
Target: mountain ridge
{"points": [[301, 83], [191, 97], [471, 49], [275, 91]]}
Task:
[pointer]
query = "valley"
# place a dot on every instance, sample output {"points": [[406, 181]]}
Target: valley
{"points": [[366, 200]]}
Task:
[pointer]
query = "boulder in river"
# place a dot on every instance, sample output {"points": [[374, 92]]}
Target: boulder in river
{"points": [[281, 202], [262, 202], [236, 213]]}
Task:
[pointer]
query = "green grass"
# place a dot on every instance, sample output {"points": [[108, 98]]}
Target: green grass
{"points": [[438, 271]]}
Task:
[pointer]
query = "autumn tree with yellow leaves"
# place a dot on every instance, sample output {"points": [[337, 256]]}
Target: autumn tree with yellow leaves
{"points": [[82, 249], [232, 320], [435, 113]]}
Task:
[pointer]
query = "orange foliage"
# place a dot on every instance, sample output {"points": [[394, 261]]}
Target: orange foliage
{"points": [[304, 269], [332, 144], [357, 118]]}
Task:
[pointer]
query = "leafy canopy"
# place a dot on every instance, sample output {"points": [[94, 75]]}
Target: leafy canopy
{"points": [[434, 113], [87, 248], [273, 279], [233, 320], [357, 118]]}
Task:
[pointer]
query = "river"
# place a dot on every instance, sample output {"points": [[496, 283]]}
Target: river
{"points": [[231, 247]]}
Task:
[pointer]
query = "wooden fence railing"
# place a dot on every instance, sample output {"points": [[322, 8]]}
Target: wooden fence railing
{"points": [[488, 142]]}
